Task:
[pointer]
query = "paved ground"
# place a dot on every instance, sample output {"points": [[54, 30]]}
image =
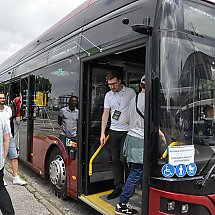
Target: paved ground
{"points": [[25, 199], [37, 197]]}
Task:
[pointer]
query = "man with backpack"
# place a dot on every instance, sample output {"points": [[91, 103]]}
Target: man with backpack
{"points": [[6, 114], [133, 150]]}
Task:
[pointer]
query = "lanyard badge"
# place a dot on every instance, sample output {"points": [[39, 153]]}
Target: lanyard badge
{"points": [[116, 115]]}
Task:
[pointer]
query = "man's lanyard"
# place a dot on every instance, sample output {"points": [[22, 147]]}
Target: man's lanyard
{"points": [[118, 97]]}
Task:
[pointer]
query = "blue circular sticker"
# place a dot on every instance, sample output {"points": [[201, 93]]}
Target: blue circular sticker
{"points": [[180, 170], [168, 170], [191, 169]]}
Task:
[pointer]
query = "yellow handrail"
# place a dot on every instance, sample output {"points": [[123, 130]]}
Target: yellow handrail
{"points": [[164, 155], [94, 155]]}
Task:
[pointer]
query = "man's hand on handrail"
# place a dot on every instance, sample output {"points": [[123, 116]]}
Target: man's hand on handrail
{"points": [[102, 139]]}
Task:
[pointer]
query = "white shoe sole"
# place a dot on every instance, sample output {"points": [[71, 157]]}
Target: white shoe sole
{"points": [[20, 184], [119, 213]]}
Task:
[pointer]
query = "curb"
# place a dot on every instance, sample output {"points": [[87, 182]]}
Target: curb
{"points": [[31, 188]]}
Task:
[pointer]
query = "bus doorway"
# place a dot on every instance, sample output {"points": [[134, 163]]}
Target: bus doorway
{"points": [[97, 175], [24, 88]]}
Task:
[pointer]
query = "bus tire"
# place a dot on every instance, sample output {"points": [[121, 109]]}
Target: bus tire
{"points": [[57, 173]]}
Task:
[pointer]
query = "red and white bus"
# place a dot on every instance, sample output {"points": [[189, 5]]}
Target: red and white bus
{"points": [[172, 42]]}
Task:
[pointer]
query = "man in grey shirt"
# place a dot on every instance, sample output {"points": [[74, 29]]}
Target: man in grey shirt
{"points": [[68, 118]]}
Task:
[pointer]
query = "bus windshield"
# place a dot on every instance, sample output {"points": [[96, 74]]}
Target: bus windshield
{"points": [[199, 19], [187, 79]]}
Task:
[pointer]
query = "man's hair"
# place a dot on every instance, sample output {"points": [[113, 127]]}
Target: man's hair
{"points": [[72, 98], [114, 74], [207, 108], [1, 92]]}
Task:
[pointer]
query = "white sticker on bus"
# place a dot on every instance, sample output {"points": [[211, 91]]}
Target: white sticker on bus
{"points": [[181, 154]]}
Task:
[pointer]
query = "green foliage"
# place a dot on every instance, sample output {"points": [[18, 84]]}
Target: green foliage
{"points": [[43, 85]]}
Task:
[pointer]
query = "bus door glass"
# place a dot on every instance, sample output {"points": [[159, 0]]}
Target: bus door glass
{"points": [[14, 88], [5, 88], [2, 87], [30, 118], [23, 130], [101, 164]]}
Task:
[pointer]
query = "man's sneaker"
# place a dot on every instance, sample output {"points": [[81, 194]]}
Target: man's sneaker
{"points": [[5, 184], [18, 181], [125, 209], [116, 192]]}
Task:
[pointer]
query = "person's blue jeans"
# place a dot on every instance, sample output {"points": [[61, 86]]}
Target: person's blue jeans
{"points": [[135, 177], [13, 149]]}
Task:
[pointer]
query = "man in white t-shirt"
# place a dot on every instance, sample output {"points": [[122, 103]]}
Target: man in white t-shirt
{"points": [[116, 104], [6, 113]]}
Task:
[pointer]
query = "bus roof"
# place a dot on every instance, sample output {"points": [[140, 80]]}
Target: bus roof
{"points": [[87, 12]]}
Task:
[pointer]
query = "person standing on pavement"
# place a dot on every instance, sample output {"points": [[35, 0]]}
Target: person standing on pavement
{"points": [[6, 114], [6, 206], [133, 150], [116, 104]]}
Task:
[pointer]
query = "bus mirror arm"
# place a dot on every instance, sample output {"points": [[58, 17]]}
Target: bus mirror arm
{"points": [[142, 29]]}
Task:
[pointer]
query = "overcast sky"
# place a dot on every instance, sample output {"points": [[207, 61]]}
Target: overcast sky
{"points": [[22, 21]]}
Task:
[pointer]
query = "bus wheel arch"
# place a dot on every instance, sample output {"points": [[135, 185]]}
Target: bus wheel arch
{"points": [[56, 172]]}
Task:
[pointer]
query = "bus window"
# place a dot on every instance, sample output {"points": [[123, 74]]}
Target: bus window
{"points": [[54, 86]]}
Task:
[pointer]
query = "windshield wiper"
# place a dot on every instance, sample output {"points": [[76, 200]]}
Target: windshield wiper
{"points": [[201, 183], [194, 31], [197, 34]]}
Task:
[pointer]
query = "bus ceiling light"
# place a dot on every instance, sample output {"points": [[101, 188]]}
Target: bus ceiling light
{"points": [[184, 208], [170, 206]]}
